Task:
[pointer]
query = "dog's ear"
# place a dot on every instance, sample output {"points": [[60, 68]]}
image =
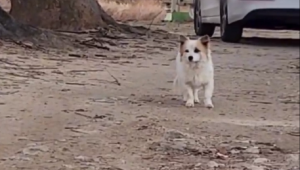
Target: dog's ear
{"points": [[182, 39], [205, 40]]}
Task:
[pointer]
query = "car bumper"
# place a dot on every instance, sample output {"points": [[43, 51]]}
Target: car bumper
{"points": [[249, 9]]}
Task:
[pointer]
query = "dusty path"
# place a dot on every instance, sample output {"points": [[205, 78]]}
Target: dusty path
{"points": [[71, 114]]}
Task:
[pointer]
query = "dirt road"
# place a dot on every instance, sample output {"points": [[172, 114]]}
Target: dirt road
{"points": [[117, 111]]}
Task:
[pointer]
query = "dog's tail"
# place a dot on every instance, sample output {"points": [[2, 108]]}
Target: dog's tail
{"points": [[176, 85]]}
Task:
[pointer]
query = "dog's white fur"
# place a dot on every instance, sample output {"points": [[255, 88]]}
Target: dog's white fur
{"points": [[195, 73]]}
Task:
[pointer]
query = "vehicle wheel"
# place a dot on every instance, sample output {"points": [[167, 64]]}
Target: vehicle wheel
{"points": [[229, 32], [201, 29]]}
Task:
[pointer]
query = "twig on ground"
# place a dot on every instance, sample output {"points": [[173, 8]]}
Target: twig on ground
{"points": [[5, 61], [78, 56], [261, 102], [78, 71], [86, 43], [116, 80], [151, 23], [294, 133], [80, 84], [8, 93], [83, 115]]}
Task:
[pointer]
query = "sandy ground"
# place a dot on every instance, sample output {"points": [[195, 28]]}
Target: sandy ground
{"points": [[117, 110]]}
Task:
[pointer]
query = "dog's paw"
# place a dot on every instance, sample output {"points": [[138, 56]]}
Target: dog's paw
{"points": [[197, 100], [208, 104], [190, 103]]}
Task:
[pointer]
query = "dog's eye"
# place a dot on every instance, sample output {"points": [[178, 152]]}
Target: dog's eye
{"points": [[196, 50], [186, 51]]}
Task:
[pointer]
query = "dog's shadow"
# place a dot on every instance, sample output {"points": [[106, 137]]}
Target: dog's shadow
{"points": [[167, 101], [161, 101]]}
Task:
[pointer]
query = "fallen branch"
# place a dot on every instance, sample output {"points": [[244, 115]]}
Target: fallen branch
{"points": [[294, 133], [116, 80], [86, 43], [5, 61], [78, 56], [83, 115], [78, 71], [151, 23], [261, 102], [79, 84]]}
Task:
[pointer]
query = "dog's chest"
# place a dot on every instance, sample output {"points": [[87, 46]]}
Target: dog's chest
{"points": [[198, 77]]}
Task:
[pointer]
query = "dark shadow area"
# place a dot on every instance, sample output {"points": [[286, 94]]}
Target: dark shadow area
{"points": [[271, 42]]}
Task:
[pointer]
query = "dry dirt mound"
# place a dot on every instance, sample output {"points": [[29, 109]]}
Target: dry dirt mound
{"points": [[125, 10]]}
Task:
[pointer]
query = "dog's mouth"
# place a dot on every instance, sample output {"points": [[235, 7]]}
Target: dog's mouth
{"points": [[194, 64]]}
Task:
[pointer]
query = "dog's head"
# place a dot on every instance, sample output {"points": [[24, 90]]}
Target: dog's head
{"points": [[194, 51]]}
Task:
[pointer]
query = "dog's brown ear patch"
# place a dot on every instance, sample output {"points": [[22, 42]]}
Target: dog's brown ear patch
{"points": [[182, 39], [204, 44], [205, 40]]}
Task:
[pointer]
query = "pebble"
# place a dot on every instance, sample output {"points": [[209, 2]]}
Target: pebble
{"points": [[212, 164], [83, 159], [198, 165], [252, 150], [261, 160], [35, 150], [253, 167], [235, 151], [68, 166], [293, 158]]}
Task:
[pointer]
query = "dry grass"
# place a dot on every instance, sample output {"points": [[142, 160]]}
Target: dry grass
{"points": [[134, 10]]}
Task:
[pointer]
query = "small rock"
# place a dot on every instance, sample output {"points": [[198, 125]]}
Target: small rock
{"points": [[222, 150], [252, 167], [19, 158], [212, 164], [22, 138], [252, 150], [68, 166], [222, 156], [198, 165], [35, 150], [62, 140], [83, 159], [171, 135], [235, 151], [293, 158], [261, 160]]}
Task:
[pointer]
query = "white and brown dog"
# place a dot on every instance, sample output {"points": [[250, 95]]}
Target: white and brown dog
{"points": [[194, 68]]}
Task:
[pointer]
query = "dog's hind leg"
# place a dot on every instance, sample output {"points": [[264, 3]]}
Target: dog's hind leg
{"points": [[185, 96], [208, 93]]}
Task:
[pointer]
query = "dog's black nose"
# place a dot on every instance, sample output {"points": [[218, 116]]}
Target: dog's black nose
{"points": [[190, 58]]}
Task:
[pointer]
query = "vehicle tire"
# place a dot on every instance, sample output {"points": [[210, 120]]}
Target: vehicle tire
{"points": [[200, 28], [229, 32]]}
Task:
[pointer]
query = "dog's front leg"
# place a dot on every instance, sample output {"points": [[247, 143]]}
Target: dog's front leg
{"points": [[208, 93], [190, 97], [196, 95]]}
